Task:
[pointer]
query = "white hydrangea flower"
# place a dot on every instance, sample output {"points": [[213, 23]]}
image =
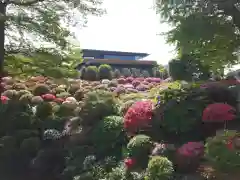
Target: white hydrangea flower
{"points": [[105, 81], [71, 99]]}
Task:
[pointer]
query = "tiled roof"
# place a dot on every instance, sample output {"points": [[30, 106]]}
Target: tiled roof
{"points": [[107, 52], [116, 61]]}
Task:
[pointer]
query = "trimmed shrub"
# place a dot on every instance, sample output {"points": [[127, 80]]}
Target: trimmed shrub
{"points": [[139, 146], [41, 89], [159, 168], [98, 104], [107, 133], [126, 72], [145, 73], [116, 73], [105, 71], [91, 73]]}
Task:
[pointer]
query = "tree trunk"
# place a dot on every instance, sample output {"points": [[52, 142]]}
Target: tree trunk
{"points": [[2, 40]]}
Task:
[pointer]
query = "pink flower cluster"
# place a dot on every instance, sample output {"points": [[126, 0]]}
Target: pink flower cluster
{"points": [[191, 149], [218, 112], [4, 99], [138, 116], [129, 163]]}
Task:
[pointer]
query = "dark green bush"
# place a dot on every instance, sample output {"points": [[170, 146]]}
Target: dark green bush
{"points": [[44, 110], [126, 72], [105, 71], [79, 94], [26, 98], [30, 145], [116, 73], [11, 94], [139, 146], [107, 133], [41, 89], [73, 88], [91, 73]]}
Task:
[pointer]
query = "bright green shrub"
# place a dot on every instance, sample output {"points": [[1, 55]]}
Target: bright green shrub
{"points": [[41, 89], [139, 146], [91, 73], [96, 105], [105, 71], [159, 168]]}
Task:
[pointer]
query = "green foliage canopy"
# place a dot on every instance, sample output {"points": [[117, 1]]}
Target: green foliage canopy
{"points": [[45, 62], [207, 30]]}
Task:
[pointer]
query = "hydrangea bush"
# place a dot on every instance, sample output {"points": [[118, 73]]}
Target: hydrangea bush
{"points": [[130, 128]]}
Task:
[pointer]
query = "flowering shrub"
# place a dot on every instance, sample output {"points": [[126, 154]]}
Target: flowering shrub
{"points": [[138, 116], [135, 83], [130, 163], [97, 105], [107, 133], [48, 97], [159, 168], [4, 99], [139, 146], [121, 81], [218, 112], [93, 124], [188, 156], [223, 152], [142, 87]]}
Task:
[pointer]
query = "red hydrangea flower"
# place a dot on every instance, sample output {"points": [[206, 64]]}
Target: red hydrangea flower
{"points": [[129, 162], [138, 116], [191, 149], [218, 112], [4, 99], [229, 143], [49, 97]]}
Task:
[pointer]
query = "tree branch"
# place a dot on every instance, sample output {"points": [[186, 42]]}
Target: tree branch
{"points": [[25, 3]]}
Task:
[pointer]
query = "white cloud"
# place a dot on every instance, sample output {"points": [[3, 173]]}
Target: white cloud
{"points": [[129, 25]]}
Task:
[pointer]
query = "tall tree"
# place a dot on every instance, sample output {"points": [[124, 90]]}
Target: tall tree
{"points": [[26, 24], [206, 29], [187, 68]]}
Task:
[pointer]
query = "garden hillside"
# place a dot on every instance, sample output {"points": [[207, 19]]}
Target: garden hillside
{"points": [[72, 129]]}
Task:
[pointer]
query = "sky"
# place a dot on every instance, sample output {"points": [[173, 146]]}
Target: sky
{"points": [[129, 25]]}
